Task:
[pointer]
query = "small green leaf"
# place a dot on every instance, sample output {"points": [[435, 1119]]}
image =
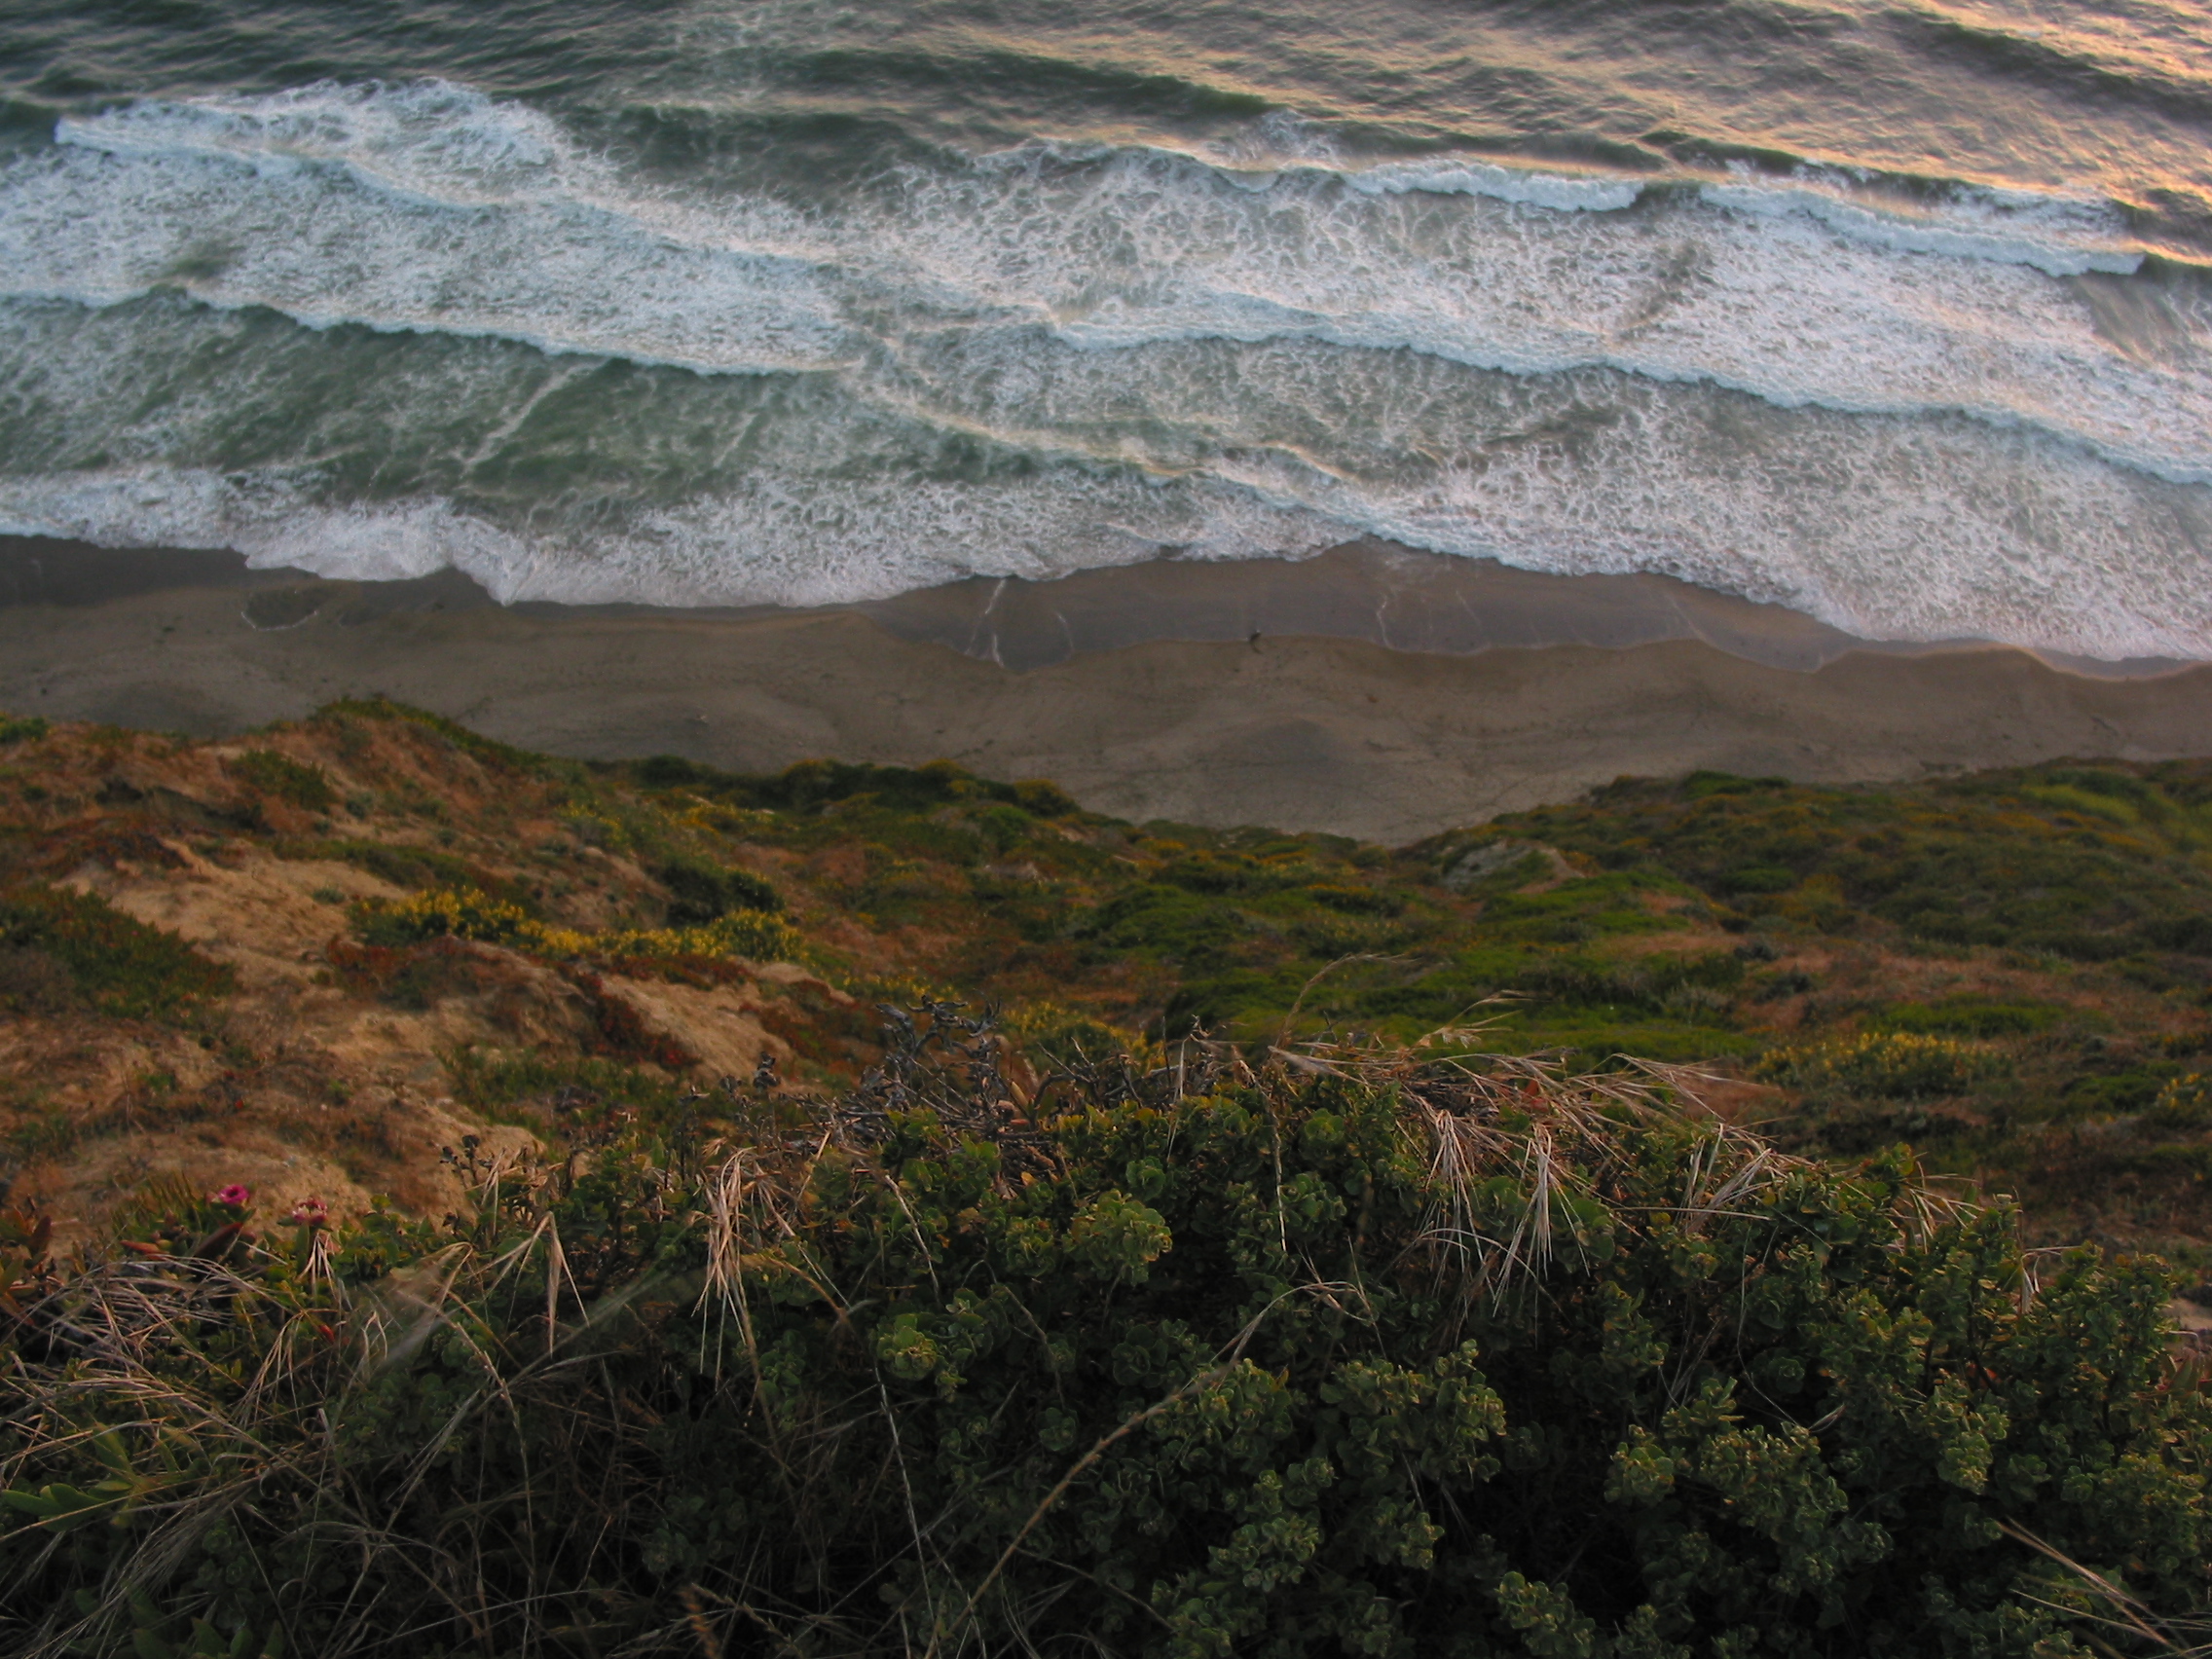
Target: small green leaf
{"points": [[107, 1446]]}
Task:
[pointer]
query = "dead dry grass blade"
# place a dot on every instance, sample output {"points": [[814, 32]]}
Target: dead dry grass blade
{"points": [[2128, 1613], [1297, 1003]]}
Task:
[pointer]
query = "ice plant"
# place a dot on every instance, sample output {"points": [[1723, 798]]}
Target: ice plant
{"points": [[309, 1212], [235, 1196]]}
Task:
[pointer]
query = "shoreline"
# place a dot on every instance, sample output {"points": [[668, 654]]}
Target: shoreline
{"points": [[1314, 724], [1389, 595]]}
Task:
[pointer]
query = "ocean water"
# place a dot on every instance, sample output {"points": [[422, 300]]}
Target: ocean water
{"points": [[1893, 312]]}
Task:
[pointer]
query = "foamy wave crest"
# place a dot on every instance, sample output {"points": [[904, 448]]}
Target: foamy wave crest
{"points": [[443, 142], [426, 207], [434, 208], [1911, 421], [2058, 236], [1561, 192], [1884, 526], [1134, 247], [773, 540], [271, 519]]}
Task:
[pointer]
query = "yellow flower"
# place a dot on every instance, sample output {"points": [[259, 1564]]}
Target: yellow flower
{"points": [[464, 912]]}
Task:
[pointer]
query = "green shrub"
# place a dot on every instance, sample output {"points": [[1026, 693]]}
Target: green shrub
{"points": [[284, 778], [1893, 1065], [702, 891], [34, 982], [122, 966], [1783, 983], [1699, 984], [1854, 1128], [752, 933], [498, 1082], [816, 785], [1051, 1036], [1044, 798], [405, 865], [1761, 878], [2075, 862], [2185, 1104], [452, 734], [1970, 1016], [1356, 900], [1703, 785], [1180, 926], [23, 729], [670, 772], [464, 912], [1379, 1363], [2136, 1089], [1221, 873]]}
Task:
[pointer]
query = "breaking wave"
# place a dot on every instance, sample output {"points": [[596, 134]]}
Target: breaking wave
{"points": [[469, 337]]}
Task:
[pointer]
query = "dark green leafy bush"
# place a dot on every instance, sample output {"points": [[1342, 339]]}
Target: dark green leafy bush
{"points": [[1192, 1362], [2133, 1089], [817, 784], [451, 733], [2184, 1105], [1044, 798], [1970, 1016], [702, 891], [1356, 900], [284, 778], [1656, 983], [1883, 1065], [2085, 863], [61, 943]]}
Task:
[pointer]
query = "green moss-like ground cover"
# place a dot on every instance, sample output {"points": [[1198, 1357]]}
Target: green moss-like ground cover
{"points": [[61, 946]]}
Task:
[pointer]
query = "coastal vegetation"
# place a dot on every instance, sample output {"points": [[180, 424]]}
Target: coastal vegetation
{"points": [[1362, 1355], [887, 1210]]}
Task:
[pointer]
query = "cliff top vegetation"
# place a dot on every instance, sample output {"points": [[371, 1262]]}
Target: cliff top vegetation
{"points": [[467, 1201], [317, 943]]}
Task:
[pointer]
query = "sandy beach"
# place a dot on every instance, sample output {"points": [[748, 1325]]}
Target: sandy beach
{"points": [[1213, 694]]}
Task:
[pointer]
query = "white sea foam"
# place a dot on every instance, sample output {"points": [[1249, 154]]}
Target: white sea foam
{"points": [[1137, 249], [1884, 526], [1562, 192], [435, 208], [777, 540], [2058, 236], [422, 208], [1126, 316], [443, 141]]}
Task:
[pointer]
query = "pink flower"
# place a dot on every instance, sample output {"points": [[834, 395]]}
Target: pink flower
{"points": [[309, 1212], [233, 1196]]}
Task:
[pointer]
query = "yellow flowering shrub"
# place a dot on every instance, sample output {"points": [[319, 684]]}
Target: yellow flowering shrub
{"points": [[1898, 1065], [2184, 1103], [464, 913]]}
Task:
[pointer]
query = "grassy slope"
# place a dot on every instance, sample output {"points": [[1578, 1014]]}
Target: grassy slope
{"points": [[2010, 970]]}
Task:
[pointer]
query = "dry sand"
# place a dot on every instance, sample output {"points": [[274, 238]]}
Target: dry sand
{"points": [[1294, 730]]}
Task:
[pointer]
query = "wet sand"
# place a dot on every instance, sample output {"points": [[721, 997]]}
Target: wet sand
{"points": [[1212, 694]]}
